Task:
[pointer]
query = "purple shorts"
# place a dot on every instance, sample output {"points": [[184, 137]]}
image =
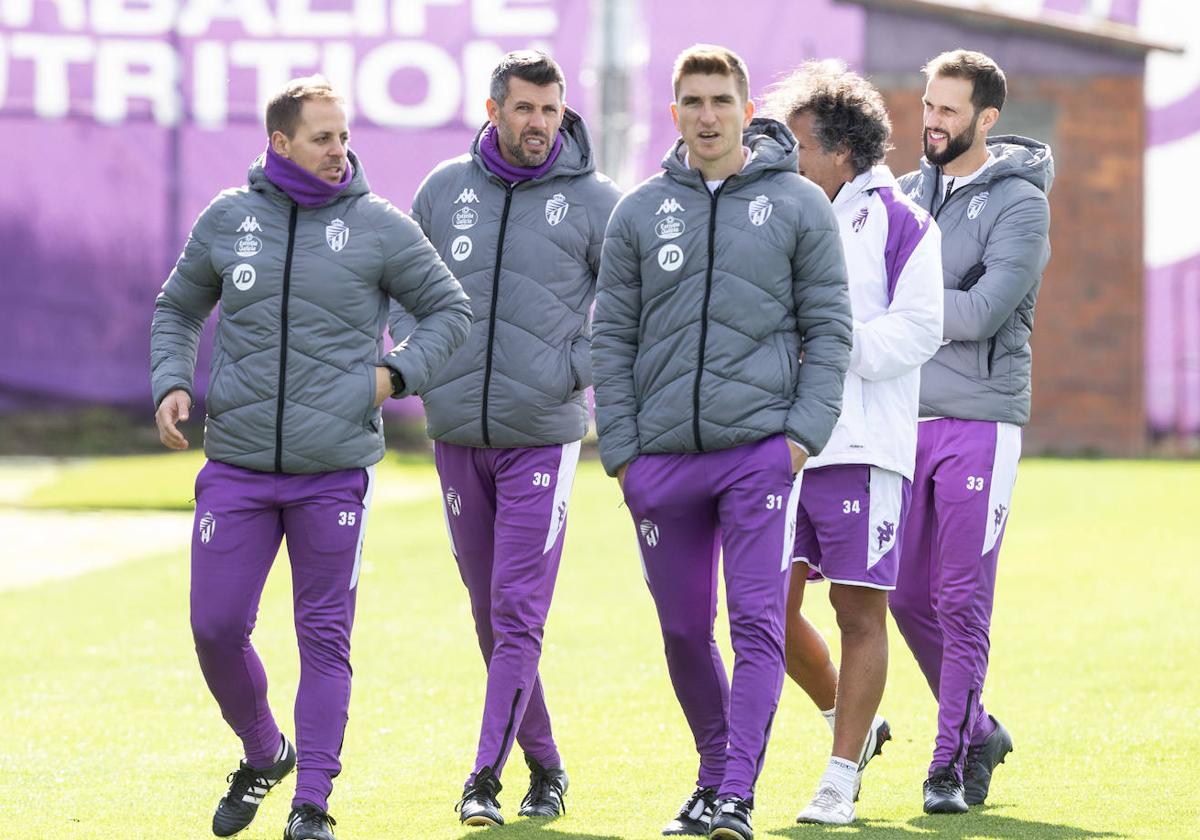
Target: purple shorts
{"points": [[850, 524]]}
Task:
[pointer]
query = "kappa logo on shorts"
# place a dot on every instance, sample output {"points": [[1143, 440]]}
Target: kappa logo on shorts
{"points": [[998, 517], [560, 514], [249, 225], [649, 532], [453, 501], [669, 205], [467, 196], [337, 234], [860, 219], [556, 208], [978, 202], [208, 525], [885, 533], [760, 210]]}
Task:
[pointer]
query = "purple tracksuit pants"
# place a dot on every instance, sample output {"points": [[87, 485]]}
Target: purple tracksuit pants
{"points": [[961, 494], [506, 514], [241, 518], [688, 508]]}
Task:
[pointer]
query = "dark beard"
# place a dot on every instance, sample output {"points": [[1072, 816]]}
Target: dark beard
{"points": [[513, 144], [955, 146]]}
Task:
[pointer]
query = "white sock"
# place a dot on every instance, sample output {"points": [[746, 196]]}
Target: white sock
{"points": [[841, 774], [829, 718]]}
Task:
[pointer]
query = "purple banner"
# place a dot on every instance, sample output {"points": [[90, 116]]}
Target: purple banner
{"points": [[126, 119]]}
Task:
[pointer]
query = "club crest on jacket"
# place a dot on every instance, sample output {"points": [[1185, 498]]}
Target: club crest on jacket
{"points": [[760, 210], [978, 202], [337, 234], [556, 208]]}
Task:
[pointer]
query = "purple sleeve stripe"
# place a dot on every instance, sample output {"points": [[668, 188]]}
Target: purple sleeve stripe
{"points": [[907, 226]]}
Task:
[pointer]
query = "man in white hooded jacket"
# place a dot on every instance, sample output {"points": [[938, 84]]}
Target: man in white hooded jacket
{"points": [[854, 494]]}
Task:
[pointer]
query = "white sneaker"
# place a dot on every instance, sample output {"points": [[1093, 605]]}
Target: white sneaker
{"points": [[828, 808], [873, 746]]}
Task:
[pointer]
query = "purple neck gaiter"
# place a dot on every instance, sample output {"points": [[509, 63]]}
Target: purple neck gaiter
{"points": [[490, 149], [303, 187]]}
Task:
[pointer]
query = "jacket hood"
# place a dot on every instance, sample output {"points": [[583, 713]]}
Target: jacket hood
{"points": [[575, 157], [772, 147], [257, 178], [1014, 157]]}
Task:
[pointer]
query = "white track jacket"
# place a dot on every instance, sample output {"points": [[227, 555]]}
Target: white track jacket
{"points": [[894, 260]]}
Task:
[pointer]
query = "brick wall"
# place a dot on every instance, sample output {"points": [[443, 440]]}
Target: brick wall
{"points": [[1087, 340]]}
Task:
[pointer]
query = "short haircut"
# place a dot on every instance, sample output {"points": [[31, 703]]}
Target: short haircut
{"points": [[847, 110], [988, 85], [533, 66], [283, 111], [710, 60]]}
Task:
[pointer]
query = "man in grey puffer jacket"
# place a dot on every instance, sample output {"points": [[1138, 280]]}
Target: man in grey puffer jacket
{"points": [[303, 262], [716, 275], [989, 199], [521, 220]]}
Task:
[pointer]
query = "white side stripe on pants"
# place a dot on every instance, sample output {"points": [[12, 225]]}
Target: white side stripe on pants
{"points": [[362, 525], [1004, 478], [567, 461], [789, 528]]}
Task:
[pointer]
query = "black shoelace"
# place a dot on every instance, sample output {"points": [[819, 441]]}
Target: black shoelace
{"points": [[540, 788], [699, 795], [313, 817], [240, 781], [944, 782]]}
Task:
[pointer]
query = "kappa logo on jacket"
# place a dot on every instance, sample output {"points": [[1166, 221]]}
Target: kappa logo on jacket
{"points": [[760, 210], [467, 196], [669, 205], [860, 219], [556, 208], [918, 191], [249, 225], [337, 234], [978, 202]]}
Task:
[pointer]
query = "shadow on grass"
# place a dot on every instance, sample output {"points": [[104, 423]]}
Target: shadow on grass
{"points": [[535, 830], [978, 824]]}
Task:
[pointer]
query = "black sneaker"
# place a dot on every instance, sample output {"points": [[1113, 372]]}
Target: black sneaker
{"points": [[731, 819], [944, 793], [247, 787], [879, 734], [982, 760], [694, 816], [479, 805], [546, 791], [308, 822]]}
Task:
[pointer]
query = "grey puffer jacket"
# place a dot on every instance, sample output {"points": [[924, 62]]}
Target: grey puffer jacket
{"points": [[528, 256], [304, 295], [995, 246], [706, 301]]}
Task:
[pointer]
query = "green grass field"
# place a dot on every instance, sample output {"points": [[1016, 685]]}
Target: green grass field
{"points": [[107, 729]]}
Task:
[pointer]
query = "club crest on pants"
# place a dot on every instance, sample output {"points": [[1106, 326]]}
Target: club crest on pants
{"points": [[453, 501], [649, 532], [208, 525]]}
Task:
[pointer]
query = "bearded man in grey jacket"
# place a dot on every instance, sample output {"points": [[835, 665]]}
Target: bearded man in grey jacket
{"points": [[303, 262], [717, 274], [989, 197], [520, 219]]}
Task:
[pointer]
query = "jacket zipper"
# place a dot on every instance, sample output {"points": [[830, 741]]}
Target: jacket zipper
{"points": [[283, 337], [487, 369], [712, 235]]}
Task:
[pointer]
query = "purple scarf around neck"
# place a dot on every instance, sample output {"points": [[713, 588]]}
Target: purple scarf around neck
{"points": [[301, 186], [490, 149]]}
